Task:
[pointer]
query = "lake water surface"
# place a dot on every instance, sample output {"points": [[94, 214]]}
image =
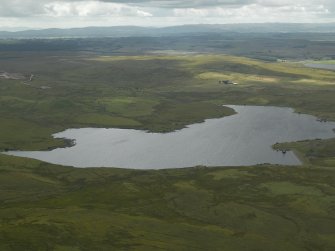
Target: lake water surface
{"points": [[321, 66], [241, 139]]}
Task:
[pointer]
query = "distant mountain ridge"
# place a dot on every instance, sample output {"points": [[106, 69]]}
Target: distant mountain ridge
{"points": [[129, 31]]}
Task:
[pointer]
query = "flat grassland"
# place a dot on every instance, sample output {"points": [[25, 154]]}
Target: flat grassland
{"points": [[49, 207]]}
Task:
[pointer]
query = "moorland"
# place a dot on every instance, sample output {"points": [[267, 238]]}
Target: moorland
{"points": [[93, 84]]}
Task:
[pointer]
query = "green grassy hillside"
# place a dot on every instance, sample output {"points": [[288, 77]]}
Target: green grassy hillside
{"points": [[49, 207], [158, 93]]}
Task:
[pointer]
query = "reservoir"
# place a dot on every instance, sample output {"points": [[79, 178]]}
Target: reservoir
{"points": [[321, 66], [245, 138]]}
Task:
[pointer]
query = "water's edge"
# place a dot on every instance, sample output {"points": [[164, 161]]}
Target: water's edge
{"points": [[236, 140]]}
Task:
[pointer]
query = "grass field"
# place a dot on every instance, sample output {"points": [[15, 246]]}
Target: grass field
{"points": [[49, 207], [158, 93], [322, 61]]}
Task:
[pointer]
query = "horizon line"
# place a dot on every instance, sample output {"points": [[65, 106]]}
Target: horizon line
{"points": [[20, 29]]}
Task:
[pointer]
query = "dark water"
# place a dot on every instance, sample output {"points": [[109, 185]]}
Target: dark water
{"points": [[321, 66], [242, 139]]}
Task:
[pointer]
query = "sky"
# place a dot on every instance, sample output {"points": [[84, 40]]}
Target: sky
{"points": [[38, 14]]}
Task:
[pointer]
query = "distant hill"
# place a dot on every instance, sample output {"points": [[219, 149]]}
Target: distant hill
{"points": [[131, 31]]}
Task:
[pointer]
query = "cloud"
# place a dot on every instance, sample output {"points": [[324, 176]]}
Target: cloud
{"points": [[66, 13], [257, 12], [92, 8], [220, 3], [17, 8], [187, 3]]}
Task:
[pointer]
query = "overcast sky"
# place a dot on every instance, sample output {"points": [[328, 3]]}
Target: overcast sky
{"points": [[81, 13]]}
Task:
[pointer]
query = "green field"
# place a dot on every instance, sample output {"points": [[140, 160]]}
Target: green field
{"points": [[322, 61], [49, 207]]}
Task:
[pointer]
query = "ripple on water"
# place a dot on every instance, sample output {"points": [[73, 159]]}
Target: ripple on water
{"points": [[238, 140]]}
